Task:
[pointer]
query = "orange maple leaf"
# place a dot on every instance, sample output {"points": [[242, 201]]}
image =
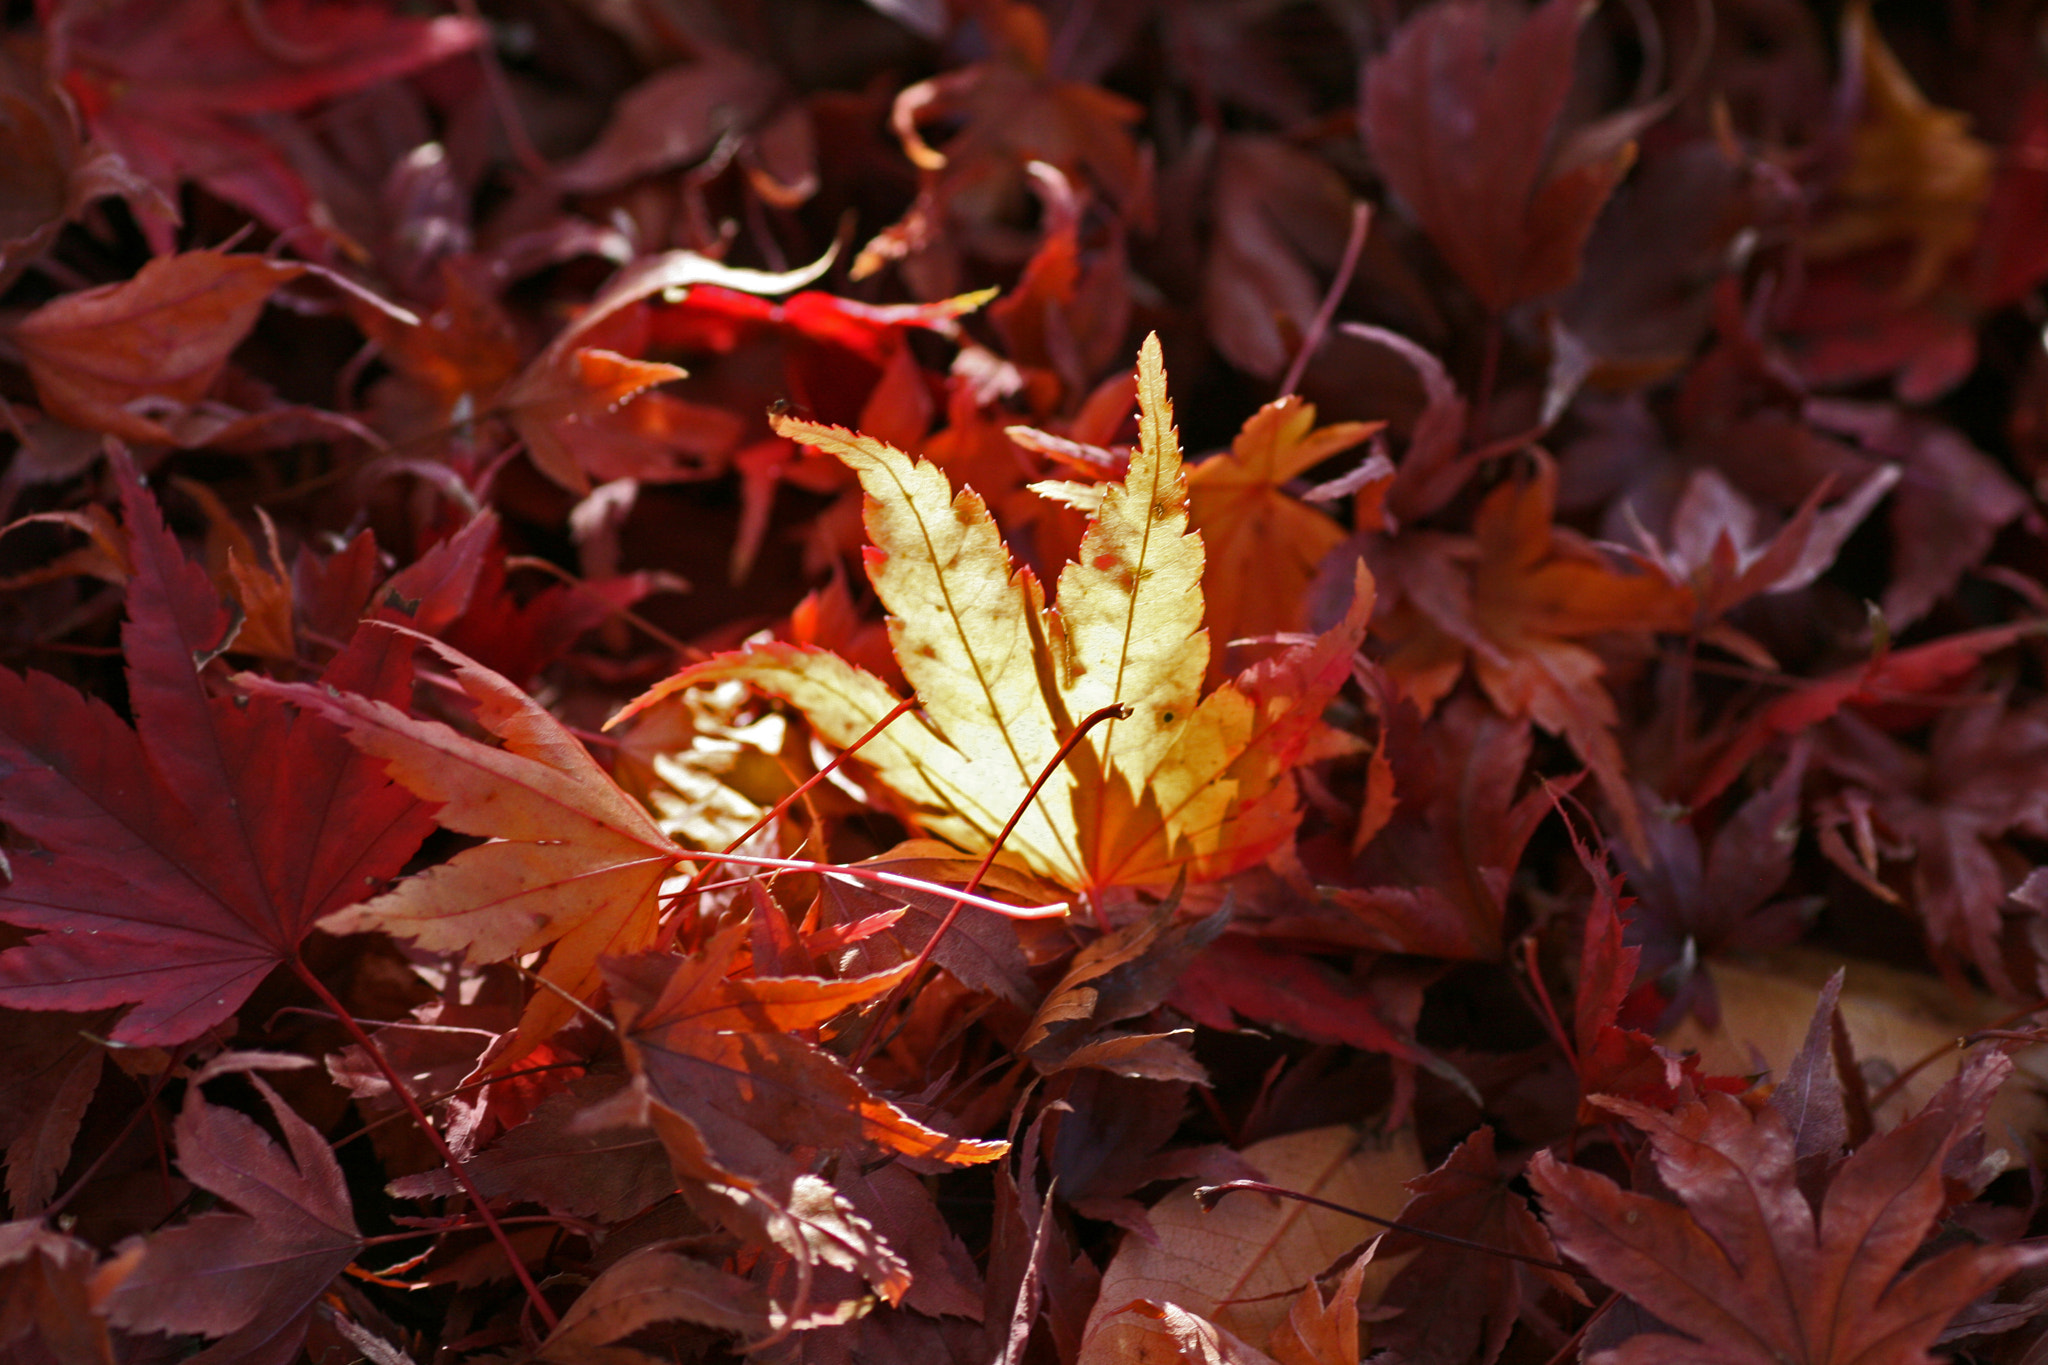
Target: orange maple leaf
{"points": [[1514, 601], [1914, 175], [1186, 783], [573, 863], [1264, 544]]}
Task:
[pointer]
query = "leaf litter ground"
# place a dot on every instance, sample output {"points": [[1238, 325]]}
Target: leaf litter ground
{"points": [[627, 732]]}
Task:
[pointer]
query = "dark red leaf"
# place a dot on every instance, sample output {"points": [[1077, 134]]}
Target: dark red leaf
{"points": [[1462, 120], [185, 858], [1749, 1268], [1459, 1305], [250, 1278]]}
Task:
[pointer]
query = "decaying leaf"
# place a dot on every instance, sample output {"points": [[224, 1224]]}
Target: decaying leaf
{"points": [[1239, 1264]]}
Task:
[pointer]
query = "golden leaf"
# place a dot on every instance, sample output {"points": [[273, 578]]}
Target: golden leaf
{"points": [[1185, 783]]}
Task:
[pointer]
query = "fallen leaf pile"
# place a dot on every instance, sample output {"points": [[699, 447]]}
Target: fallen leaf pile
{"points": [[1014, 681]]}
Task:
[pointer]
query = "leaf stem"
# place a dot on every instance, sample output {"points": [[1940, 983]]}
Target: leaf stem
{"points": [[56, 1206], [1994, 1029], [873, 874], [1319, 326], [432, 1135], [1114, 711], [374, 1124], [696, 882]]}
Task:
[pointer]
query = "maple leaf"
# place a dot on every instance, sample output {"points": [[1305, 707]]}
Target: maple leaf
{"points": [[1119, 976], [1293, 993], [557, 402], [1234, 1263], [1457, 1306], [1114, 1139], [1532, 592], [1749, 1267], [457, 591], [981, 949], [48, 1075], [183, 859], [51, 175], [47, 1297], [557, 1161], [1066, 318], [98, 354], [1264, 545], [573, 863], [673, 117], [1434, 879], [179, 89], [249, 1278], [1272, 203], [730, 1084], [1466, 133], [1607, 1057], [725, 1053], [1011, 110], [1949, 810], [1953, 499], [1921, 674], [1913, 173], [651, 1284], [1717, 546], [1695, 902], [1187, 782]]}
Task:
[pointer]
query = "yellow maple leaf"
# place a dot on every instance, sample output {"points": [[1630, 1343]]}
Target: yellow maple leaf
{"points": [[1186, 783], [1914, 175]]}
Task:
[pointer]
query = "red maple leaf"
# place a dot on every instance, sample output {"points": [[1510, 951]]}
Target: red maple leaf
{"points": [[1752, 1269], [184, 858], [1465, 130], [1458, 1306], [250, 1278], [177, 89]]}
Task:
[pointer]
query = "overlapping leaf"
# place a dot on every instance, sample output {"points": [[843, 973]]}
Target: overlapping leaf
{"points": [[573, 863], [1520, 613], [97, 355], [741, 1097], [1264, 545], [1753, 1272], [184, 858], [263, 1267], [1186, 782]]}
